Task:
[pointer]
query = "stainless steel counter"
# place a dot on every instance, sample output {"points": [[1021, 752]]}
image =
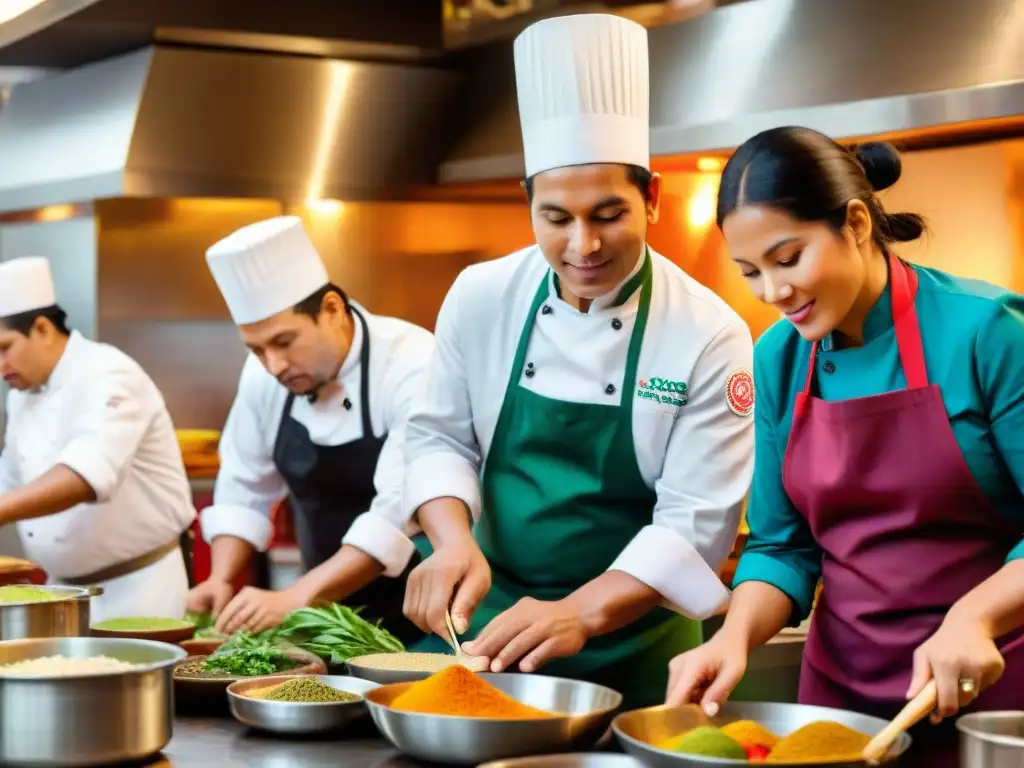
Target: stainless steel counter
{"points": [[220, 741]]}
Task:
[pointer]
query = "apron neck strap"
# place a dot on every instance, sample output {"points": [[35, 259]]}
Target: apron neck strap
{"points": [[903, 287], [645, 279]]}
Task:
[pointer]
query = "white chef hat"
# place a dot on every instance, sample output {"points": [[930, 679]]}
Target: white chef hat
{"points": [[266, 268], [584, 96], [26, 284]]}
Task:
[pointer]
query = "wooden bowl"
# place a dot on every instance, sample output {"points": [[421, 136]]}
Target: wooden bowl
{"points": [[172, 635], [195, 689], [201, 646]]}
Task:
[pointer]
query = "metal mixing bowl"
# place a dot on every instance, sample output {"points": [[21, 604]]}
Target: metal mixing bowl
{"points": [[383, 676], [297, 717], [577, 760], [88, 719], [992, 739], [639, 731], [68, 617], [473, 740]]}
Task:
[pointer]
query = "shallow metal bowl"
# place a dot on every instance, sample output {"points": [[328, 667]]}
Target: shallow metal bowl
{"points": [[641, 730], [297, 717], [992, 739], [357, 668], [87, 719], [447, 739], [576, 760], [383, 676]]}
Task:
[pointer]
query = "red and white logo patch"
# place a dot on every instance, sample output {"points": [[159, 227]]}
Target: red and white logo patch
{"points": [[739, 392]]}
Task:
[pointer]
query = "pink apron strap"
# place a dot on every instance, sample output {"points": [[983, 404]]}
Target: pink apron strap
{"points": [[903, 285]]}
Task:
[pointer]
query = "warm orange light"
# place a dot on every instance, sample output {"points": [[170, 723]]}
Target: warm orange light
{"points": [[709, 164], [55, 213], [325, 206]]}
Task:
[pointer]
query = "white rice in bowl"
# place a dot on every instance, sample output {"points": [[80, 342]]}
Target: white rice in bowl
{"points": [[62, 666]]}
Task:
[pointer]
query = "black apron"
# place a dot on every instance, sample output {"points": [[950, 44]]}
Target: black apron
{"points": [[329, 486]]}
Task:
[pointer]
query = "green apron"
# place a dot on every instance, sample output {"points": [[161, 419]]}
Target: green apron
{"points": [[562, 496]]}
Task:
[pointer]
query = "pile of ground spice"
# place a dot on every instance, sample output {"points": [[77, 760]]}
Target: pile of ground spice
{"points": [[307, 690], [821, 741], [458, 691]]}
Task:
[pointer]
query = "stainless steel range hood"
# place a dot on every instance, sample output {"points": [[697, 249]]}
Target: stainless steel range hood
{"points": [[180, 122], [846, 67]]}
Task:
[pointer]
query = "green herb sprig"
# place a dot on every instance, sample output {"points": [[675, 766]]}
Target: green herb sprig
{"points": [[247, 662], [337, 632]]}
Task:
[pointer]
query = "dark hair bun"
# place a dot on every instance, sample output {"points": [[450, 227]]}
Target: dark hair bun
{"points": [[881, 163]]}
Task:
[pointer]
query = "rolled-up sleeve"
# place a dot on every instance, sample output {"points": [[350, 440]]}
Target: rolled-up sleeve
{"points": [[248, 483], [700, 494], [381, 531], [113, 415], [441, 451], [780, 548], [999, 361]]}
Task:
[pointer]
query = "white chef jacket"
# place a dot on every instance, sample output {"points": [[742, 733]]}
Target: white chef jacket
{"points": [[249, 484], [697, 455], [101, 415]]}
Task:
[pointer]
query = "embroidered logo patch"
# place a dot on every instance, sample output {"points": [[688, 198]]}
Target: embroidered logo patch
{"points": [[739, 392], [663, 391]]}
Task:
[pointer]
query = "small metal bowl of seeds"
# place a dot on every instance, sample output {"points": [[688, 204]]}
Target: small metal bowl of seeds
{"points": [[299, 704], [406, 667]]}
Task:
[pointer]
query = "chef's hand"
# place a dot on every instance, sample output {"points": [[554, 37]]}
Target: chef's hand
{"points": [[959, 655], [532, 632], [455, 575], [707, 674], [210, 596], [255, 610]]}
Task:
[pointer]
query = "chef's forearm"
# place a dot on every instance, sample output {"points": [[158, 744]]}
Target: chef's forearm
{"points": [[758, 611], [55, 491], [997, 604], [611, 601], [348, 571], [228, 556], [445, 521]]}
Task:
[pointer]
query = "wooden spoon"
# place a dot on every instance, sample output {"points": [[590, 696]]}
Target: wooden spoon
{"points": [[916, 710]]}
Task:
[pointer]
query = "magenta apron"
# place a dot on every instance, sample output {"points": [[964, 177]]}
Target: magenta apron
{"points": [[904, 528]]}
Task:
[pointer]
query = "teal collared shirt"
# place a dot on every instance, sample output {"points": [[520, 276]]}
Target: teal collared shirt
{"points": [[973, 337]]}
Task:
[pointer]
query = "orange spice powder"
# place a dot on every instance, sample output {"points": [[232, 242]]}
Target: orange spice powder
{"points": [[458, 691]]}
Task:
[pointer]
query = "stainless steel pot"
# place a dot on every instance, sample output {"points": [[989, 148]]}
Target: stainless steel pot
{"points": [[88, 719], [67, 617], [992, 739]]}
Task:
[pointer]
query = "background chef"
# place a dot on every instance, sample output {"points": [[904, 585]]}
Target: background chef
{"points": [[320, 417], [91, 470], [606, 394]]}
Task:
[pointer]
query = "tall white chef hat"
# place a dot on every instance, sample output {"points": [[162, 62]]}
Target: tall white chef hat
{"points": [[583, 90], [26, 284], [266, 268]]}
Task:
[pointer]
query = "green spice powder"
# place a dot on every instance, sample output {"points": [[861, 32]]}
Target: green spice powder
{"points": [[308, 689], [16, 594]]}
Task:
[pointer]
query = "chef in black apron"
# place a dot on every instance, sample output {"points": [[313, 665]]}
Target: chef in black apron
{"points": [[319, 418]]}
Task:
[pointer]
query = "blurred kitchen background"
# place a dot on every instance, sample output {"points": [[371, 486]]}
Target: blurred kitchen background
{"points": [[135, 133]]}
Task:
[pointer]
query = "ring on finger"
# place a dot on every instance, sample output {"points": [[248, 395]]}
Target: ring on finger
{"points": [[968, 686]]}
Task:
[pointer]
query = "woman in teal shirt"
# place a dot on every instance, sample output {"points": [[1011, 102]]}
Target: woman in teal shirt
{"points": [[889, 456]]}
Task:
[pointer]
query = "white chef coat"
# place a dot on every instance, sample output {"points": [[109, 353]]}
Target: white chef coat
{"points": [[697, 456], [249, 484], [101, 415]]}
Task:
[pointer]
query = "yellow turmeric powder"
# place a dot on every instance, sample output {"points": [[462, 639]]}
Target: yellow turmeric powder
{"points": [[820, 742], [458, 691], [749, 732]]}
